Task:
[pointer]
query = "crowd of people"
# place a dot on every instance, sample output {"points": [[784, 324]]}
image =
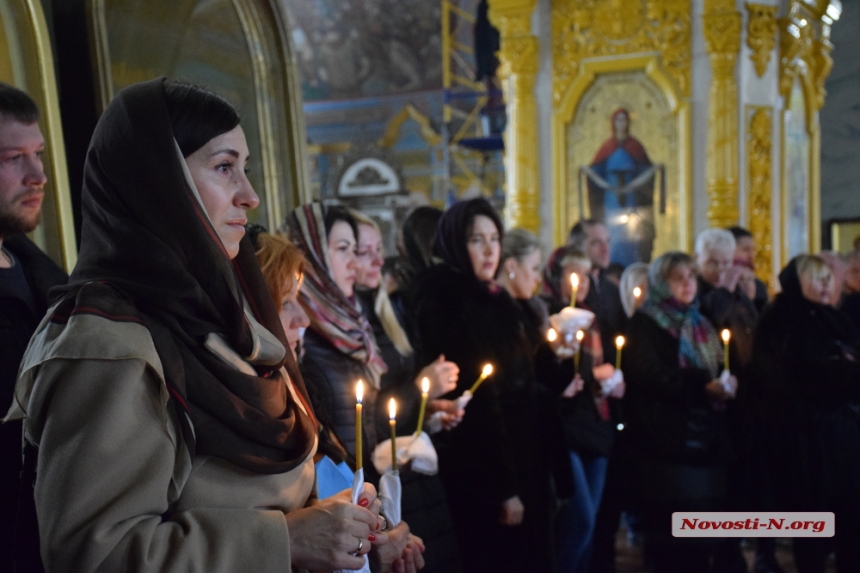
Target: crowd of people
{"points": [[182, 385]]}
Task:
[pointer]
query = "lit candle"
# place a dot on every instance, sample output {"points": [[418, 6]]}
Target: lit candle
{"points": [[574, 282], [726, 335], [392, 414], [619, 344], [359, 394], [488, 369], [637, 292], [579, 336], [551, 335], [425, 392]]}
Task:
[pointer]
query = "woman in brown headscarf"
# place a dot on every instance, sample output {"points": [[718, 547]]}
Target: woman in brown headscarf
{"points": [[173, 428]]}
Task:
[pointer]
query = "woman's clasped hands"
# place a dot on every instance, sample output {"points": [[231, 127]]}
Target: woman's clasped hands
{"points": [[335, 533]]}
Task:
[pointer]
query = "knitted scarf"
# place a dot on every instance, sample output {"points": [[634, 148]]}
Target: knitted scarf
{"points": [[333, 315], [698, 346]]}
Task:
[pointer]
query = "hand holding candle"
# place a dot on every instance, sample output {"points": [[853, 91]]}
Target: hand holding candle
{"points": [[488, 369], [574, 282], [619, 344], [359, 395], [392, 415], [425, 392], [726, 335]]}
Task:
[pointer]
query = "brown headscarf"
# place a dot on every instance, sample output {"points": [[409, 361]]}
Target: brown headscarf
{"points": [[149, 254]]}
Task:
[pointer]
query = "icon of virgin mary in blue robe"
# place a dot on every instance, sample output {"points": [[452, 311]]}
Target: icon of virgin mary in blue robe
{"points": [[627, 212]]}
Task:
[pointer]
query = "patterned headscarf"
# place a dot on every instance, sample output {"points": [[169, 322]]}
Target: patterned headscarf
{"points": [[333, 315], [698, 346]]}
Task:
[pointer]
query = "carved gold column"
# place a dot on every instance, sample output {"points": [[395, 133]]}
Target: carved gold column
{"points": [[761, 34], [518, 72], [722, 25], [760, 146]]}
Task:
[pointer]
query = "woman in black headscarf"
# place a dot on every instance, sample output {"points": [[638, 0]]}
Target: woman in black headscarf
{"points": [[804, 392], [487, 463], [173, 427]]}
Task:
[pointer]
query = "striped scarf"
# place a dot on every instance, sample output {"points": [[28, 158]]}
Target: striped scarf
{"points": [[698, 345], [333, 315]]}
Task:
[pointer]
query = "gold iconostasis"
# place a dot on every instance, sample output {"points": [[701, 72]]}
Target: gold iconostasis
{"points": [[722, 96]]}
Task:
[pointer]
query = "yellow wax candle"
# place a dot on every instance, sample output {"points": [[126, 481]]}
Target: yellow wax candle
{"points": [[392, 415], [425, 392], [574, 282], [726, 335], [359, 395], [619, 344], [488, 369], [579, 336]]}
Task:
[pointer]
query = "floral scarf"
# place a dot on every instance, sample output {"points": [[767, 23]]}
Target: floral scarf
{"points": [[333, 315], [699, 346]]}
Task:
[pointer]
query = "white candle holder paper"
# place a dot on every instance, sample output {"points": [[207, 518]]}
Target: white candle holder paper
{"points": [[416, 449], [357, 490]]}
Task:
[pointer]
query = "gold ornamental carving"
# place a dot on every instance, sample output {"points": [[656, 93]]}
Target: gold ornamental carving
{"points": [[722, 26], [519, 62], [761, 34], [759, 146], [598, 28], [805, 47]]}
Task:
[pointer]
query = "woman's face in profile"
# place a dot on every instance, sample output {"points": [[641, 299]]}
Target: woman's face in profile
{"points": [[341, 256], [292, 315], [218, 172], [484, 246], [682, 284], [817, 287], [368, 257]]}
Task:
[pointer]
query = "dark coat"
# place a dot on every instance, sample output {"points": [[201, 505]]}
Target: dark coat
{"points": [[495, 453], [805, 399], [732, 310], [17, 324], [677, 437], [604, 299], [330, 377], [423, 503]]}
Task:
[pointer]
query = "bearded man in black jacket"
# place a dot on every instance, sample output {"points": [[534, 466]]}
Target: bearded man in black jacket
{"points": [[26, 274]]}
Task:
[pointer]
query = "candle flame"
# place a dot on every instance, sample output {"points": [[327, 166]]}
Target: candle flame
{"points": [[619, 341], [359, 391], [488, 369], [726, 335], [392, 408], [574, 280], [580, 335], [552, 335], [425, 385], [637, 292]]}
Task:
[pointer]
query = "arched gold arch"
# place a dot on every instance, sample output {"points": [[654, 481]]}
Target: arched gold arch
{"points": [[240, 48], [26, 61]]}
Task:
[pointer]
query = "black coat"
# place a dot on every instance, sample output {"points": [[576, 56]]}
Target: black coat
{"points": [[604, 299], [805, 399], [678, 439], [495, 453], [423, 503], [330, 377], [17, 324]]}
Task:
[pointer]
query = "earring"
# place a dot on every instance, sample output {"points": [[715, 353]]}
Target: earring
{"points": [[512, 276]]}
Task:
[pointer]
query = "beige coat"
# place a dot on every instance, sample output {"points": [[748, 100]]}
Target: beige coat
{"points": [[116, 488]]}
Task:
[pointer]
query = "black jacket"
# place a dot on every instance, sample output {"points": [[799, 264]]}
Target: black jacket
{"points": [[604, 299], [805, 400], [17, 324], [669, 416], [330, 377]]}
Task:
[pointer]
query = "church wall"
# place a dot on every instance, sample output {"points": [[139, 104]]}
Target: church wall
{"points": [[701, 79], [543, 92]]}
